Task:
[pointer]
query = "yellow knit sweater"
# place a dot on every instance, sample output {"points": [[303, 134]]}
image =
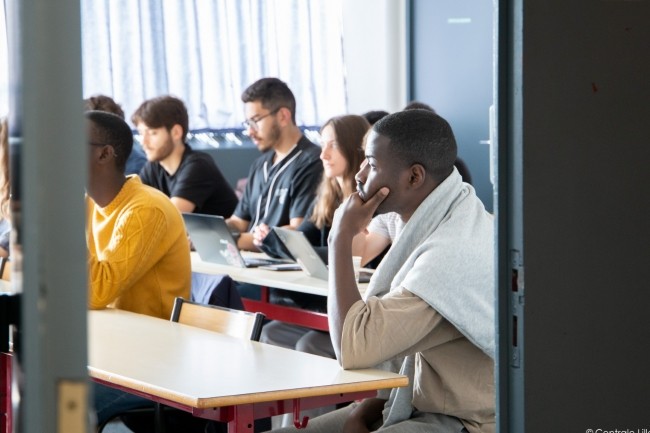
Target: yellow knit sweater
{"points": [[138, 252]]}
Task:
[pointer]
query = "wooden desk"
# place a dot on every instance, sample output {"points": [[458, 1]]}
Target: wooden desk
{"points": [[297, 281], [215, 376]]}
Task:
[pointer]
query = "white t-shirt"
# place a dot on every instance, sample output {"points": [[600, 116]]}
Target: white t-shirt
{"points": [[388, 225]]}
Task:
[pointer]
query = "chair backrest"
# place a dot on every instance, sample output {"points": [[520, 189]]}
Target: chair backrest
{"points": [[241, 324]]}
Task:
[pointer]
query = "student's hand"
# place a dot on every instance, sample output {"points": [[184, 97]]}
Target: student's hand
{"points": [[354, 215], [259, 233]]}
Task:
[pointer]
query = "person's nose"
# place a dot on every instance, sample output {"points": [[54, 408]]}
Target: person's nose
{"points": [[361, 175], [324, 154]]}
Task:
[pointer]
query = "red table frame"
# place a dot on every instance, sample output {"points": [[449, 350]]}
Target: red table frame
{"points": [[296, 316], [6, 406], [240, 418]]}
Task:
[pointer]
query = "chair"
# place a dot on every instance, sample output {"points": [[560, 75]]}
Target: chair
{"points": [[240, 324]]}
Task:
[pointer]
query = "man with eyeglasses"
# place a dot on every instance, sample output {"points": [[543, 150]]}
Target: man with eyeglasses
{"points": [[138, 254], [282, 182]]}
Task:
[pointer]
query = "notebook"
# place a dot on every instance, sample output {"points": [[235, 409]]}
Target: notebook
{"points": [[214, 242]]}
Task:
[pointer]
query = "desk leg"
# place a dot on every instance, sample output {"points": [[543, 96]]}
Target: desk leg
{"points": [[265, 294], [242, 420], [6, 406]]}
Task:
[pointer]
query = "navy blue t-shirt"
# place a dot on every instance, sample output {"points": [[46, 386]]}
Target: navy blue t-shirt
{"points": [[276, 194]]}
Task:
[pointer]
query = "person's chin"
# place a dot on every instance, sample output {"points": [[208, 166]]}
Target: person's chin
{"points": [[261, 146]]}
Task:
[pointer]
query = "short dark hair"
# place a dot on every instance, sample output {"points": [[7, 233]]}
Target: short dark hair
{"points": [[417, 105], [162, 111], [110, 129], [422, 137], [374, 115], [273, 93], [103, 103]]}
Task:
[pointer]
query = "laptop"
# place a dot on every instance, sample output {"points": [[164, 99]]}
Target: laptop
{"points": [[214, 242], [310, 260], [300, 248]]}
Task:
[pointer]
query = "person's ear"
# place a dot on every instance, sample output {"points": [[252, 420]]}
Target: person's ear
{"points": [[176, 132], [107, 153], [417, 174], [284, 116]]}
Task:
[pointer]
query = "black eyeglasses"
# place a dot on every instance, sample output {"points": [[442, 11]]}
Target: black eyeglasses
{"points": [[252, 123]]}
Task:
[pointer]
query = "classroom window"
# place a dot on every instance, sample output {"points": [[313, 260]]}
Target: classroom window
{"points": [[208, 52]]}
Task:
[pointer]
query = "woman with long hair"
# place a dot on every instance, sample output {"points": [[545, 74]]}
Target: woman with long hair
{"points": [[342, 139], [341, 154]]}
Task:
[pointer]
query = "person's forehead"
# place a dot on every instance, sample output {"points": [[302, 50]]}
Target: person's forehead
{"points": [[328, 131], [377, 146], [142, 126], [254, 107]]}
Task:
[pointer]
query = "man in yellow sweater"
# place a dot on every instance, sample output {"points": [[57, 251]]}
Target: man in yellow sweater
{"points": [[138, 252]]}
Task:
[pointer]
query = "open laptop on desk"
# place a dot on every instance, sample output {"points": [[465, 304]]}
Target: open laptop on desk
{"points": [[310, 260], [303, 252], [214, 242]]}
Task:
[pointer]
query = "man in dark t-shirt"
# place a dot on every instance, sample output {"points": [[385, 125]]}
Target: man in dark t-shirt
{"points": [[190, 178]]}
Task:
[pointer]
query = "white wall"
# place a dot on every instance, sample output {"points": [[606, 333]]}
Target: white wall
{"points": [[374, 46]]}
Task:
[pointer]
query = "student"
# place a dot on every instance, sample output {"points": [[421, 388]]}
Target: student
{"points": [[190, 178], [282, 182], [432, 298], [341, 155], [138, 254], [105, 103], [384, 229]]}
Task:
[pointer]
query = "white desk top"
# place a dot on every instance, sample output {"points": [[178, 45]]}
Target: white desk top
{"points": [[298, 281], [205, 369]]}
